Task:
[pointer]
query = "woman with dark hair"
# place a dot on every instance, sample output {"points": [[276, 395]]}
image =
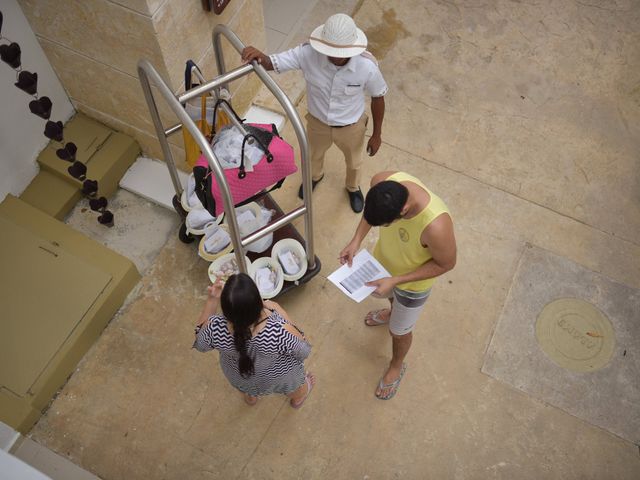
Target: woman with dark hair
{"points": [[261, 350]]}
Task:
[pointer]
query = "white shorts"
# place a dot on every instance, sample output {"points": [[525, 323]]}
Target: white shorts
{"points": [[406, 309]]}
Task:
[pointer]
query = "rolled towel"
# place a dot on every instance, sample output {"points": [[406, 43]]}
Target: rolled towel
{"points": [[266, 215], [245, 217], [247, 222], [198, 218], [194, 201], [191, 185], [265, 280], [217, 241], [289, 261]]}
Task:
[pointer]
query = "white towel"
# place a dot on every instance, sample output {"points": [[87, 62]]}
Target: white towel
{"points": [[227, 147], [245, 217], [194, 201], [288, 262], [265, 280], [217, 241], [191, 185], [198, 218], [247, 222]]}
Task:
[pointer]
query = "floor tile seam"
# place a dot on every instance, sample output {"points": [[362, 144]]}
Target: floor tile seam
{"points": [[294, 29], [241, 474], [357, 8], [276, 30], [507, 296], [544, 403], [317, 346], [511, 194]]}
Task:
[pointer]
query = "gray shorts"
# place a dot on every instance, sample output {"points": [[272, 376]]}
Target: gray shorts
{"points": [[406, 309]]}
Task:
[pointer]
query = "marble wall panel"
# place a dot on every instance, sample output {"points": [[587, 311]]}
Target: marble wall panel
{"points": [[95, 45], [98, 29], [249, 26], [146, 139], [139, 6], [104, 89], [184, 31]]}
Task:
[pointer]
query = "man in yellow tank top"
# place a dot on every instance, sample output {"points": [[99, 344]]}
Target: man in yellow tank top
{"points": [[416, 245]]}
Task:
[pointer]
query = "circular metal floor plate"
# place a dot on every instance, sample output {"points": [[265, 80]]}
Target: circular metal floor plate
{"points": [[575, 335]]}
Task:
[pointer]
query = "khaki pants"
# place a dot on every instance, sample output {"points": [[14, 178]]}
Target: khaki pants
{"points": [[350, 141]]}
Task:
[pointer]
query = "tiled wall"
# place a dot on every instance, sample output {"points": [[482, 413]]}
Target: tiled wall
{"points": [[94, 47]]}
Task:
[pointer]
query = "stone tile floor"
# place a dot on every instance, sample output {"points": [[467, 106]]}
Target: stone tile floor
{"points": [[525, 118]]}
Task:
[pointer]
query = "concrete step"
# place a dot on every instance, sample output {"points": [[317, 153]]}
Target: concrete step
{"points": [[80, 283], [87, 134], [107, 155], [51, 194]]}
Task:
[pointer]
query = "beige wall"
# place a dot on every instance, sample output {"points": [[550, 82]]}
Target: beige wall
{"points": [[94, 47]]}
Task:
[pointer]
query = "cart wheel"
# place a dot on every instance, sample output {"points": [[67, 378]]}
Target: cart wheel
{"points": [[184, 236]]}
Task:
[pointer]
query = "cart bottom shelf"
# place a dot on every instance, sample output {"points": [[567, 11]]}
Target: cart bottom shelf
{"points": [[288, 231]]}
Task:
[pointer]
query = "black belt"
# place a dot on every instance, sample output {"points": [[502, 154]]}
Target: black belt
{"points": [[342, 126]]}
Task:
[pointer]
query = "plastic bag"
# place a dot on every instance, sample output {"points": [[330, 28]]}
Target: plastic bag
{"points": [[192, 198], [251, 218], [227, 147], [215, 238], [197, 219]]}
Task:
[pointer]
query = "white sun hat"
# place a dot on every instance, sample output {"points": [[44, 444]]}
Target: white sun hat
{"points": [[339, 37]]}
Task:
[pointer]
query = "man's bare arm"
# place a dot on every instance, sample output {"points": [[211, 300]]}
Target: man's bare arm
{"points": [[251, 53], [440, 240], [377, 114]]}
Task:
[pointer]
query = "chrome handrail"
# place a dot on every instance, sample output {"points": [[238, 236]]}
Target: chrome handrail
{"points": [[147, 74], [294, 118]]}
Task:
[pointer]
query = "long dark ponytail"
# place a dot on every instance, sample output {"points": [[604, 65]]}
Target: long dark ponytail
{"points": [[241, 304]]}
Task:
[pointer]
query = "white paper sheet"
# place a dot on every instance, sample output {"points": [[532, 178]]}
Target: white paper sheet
{"points": [[351, 280]]}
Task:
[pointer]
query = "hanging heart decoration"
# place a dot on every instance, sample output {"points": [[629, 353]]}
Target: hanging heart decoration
{"points": [[68, 152], [41, 107], [11, 54], [53, 131], [106, 218], [27, 82], [98, 204], [78, 170], [89, 187]]}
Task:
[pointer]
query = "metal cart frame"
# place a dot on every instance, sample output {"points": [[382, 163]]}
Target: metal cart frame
{"points": [[148, 74]]}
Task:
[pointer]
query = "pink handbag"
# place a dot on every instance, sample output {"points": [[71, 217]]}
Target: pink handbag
{"points": [[277, 163]]}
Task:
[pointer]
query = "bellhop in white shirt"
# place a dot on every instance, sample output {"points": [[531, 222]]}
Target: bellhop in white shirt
{"points": [[339, 73]]}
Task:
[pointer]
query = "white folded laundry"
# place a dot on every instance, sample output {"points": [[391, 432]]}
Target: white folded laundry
{"points": [[266, 280], [246, 216], [191, 185], [194, 201], [266, 215], [289, 262], [198, 218], [247, 222], [227, 147], [217, 241]]}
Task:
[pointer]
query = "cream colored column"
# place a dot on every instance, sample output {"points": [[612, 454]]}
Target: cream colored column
{"points": [[94, 47]]}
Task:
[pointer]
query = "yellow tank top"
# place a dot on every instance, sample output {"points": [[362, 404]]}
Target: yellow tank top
{"points": [[399, 248]]}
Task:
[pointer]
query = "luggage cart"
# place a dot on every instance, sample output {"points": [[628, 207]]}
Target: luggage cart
{"points": [[281, 223]]}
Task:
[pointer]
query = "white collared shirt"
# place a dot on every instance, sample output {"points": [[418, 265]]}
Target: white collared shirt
{"points": [[335, 95]]}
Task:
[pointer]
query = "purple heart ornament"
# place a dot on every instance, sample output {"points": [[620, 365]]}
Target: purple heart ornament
{"points": [[53, 131], [11, 54], [41, 107], [27, 82]]}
